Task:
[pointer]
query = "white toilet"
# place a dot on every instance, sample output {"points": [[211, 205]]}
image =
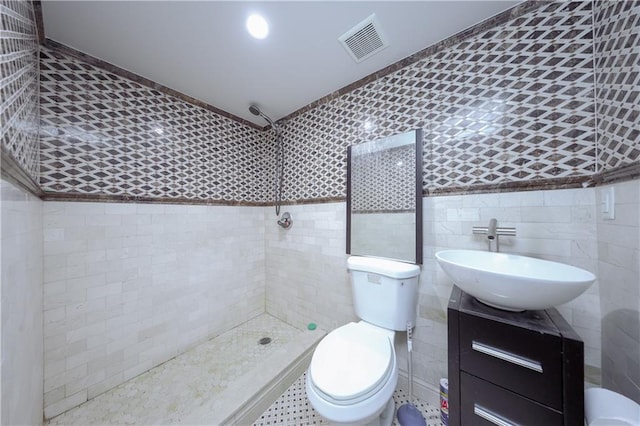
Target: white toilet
{"points": [[603, 407], [354, 371]]}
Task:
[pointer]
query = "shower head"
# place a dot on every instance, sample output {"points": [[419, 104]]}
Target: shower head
{"points": [[256, 111]]}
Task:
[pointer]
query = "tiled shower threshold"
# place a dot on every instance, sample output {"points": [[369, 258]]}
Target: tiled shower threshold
{"points": [[230, 379]]}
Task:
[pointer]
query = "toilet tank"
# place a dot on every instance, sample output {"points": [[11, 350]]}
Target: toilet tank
{"points": [[385, 292]]}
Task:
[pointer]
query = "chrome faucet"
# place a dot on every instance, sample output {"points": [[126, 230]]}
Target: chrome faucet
{"points": [[493, 232]]}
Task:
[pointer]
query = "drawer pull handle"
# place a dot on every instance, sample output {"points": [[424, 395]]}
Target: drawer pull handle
{"points": [[490, 417], [506, 356]]}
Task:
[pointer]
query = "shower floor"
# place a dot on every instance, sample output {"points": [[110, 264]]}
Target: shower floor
{"points": [[184, 390]]}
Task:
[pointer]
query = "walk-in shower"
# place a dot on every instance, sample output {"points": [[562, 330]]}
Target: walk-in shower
{"points": [[285, 221]]}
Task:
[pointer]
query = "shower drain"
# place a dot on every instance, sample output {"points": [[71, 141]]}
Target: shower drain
{"points": [[265, 341]]}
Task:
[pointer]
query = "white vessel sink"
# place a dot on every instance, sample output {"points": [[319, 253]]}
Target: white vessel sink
{"points": [[512, 282]]}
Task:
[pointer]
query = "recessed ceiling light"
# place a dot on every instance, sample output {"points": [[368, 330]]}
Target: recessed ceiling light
{"points": [[257, 26]]}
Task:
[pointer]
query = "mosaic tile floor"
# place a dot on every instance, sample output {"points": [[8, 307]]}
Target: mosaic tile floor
{"points": [[293, 408], [171, 391]]}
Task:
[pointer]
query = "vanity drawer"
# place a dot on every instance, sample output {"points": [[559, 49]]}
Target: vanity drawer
{"points": [[527, 362], [483, 403]]}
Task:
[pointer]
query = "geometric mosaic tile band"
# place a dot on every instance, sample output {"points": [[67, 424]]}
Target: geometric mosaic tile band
{"points": [[515, 103], [104, 134], [512, 104], [396, 192], [19, 84], [617, 64]]}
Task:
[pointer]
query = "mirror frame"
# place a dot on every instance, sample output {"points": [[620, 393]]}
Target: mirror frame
{"points": [[418, 198]]}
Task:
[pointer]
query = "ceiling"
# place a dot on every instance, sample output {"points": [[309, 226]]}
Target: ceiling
{"points": [[203, 50]]}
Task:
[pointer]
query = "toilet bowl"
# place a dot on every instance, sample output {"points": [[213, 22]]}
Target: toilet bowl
{"points": [[353, 374], [603, 407], [354, 371]]}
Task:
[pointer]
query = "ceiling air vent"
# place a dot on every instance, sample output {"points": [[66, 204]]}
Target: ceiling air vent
{"points": [[364, 40]]}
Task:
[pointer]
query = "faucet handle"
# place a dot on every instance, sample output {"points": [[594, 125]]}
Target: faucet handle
{"points": [[285, 221]]}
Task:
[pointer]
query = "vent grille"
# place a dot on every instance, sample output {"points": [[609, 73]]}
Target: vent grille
{"points": [[364, 40]]}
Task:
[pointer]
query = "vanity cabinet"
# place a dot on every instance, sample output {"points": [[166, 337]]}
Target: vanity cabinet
{"points": [[512, 368]]}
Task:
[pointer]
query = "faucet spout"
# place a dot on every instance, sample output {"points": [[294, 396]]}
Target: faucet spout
{"points": [[491, 230]]}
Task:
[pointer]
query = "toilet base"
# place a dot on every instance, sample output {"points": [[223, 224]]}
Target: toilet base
{"points": [[385, 418]]}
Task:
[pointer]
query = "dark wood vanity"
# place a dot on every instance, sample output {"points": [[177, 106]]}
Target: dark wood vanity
{"points": [[512, 368]]}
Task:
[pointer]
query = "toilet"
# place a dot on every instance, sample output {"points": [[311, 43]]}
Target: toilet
{"points": [[603, 407], [353, 371]]}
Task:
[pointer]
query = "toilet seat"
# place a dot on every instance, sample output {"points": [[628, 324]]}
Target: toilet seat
{"points": [[603, 407], [352, 363]]}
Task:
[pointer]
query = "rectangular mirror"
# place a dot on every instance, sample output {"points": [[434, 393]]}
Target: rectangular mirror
{"points": [[384, 198]]}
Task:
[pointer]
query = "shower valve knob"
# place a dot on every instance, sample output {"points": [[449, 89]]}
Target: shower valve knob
{"points": [[285, 220]]}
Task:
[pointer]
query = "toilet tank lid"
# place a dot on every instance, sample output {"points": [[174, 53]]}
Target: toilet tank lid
{"points": [[386, 267]]}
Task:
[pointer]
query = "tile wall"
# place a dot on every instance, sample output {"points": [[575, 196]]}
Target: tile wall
{"points": [[21, 220], [19, 84], [21, 288], [617, 65], [103, 134], [128, 286], [306, 266], [503, 106], [512, 104], [619, 265]]}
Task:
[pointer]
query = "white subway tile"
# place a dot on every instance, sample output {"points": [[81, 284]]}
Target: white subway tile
{"points": [[54, 234], [559, 214], [120, 208], [61, 406]]}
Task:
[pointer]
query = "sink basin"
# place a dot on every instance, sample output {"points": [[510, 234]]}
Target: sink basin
{"points": [[512, 282]]}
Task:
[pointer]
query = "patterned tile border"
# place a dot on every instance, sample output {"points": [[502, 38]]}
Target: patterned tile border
{"points": [[105, 198], [536, 185], [103, 134], [19, 114], [618, 173], [617, 69], [99, 63], [504, 107]]}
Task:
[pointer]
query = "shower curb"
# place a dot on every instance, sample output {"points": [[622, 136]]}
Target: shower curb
{"points": [[247, 398]]}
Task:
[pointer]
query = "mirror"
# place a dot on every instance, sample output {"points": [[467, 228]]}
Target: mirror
{"points": [[384, 198]]}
